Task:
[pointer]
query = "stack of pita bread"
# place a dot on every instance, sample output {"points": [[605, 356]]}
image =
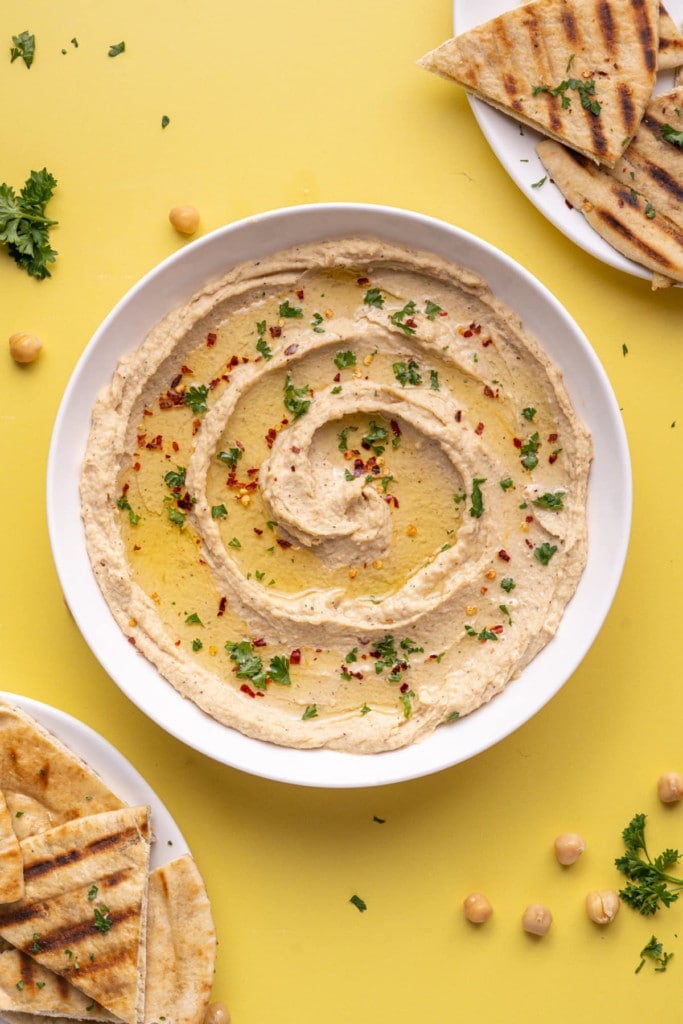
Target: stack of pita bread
{"points": [[583, 73], [87, 930]]}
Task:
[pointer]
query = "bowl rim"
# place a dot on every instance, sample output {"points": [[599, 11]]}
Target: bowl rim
{"points": [[174, 280]]}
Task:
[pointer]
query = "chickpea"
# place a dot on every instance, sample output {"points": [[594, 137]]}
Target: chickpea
{"points": [[217, 1013], [536, 919], [184, 219], [477, 908], [670, 787], [602, 905], [24, 347], [568, 847]]}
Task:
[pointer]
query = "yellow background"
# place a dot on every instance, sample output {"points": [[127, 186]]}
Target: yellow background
{"points": [[273, 104]]}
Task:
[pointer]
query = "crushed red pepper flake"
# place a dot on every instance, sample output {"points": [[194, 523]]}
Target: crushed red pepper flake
{"points": [[503, 555], [156, 444], [259, 641], [275, 331], [222, 604], [211, 339], [295, 657], [479, 429]]}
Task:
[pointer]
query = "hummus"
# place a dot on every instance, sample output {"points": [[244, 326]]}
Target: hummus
{"points": [[339, 497]]}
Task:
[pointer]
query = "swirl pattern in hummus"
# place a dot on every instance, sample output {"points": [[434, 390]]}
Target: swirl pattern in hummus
{"points": [[339, 498]]}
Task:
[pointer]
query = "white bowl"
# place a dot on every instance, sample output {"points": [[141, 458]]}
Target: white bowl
{"points": [[609, 501]]}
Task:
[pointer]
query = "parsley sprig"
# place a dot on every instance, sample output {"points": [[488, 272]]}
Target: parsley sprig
{"points": [[24, 226], [650, 885]]}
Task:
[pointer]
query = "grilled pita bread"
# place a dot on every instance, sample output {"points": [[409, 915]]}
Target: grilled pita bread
{"points": [[670, 51], [618, 213], [26, 986], [11, 861], [44, 783], [83, 914], [181, 942], [579, 71], [181, 950]]}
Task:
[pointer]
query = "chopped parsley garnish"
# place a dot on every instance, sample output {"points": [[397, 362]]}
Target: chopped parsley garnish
{"points": [[477, 506], [654, 950], [231, 457], [431, 309], [24, 47], [528, 413], [219, 512], [398, 318], [671, 135], [507, 483], [296, 400], [123, 504], [234, 543], [116, 49], [174, 514], [278, 670], [196, 397], [374, 297], [193, 620], [250, 666], [585, 89], [434, 380], [545, 552], [197, 644], [529, 452], [650, 883], [407, 373], [650, 211], [343, 436], [92, 892], [342, 360], [482, 635], [507, 584], [262, 345], [317, 320], [24, 227], [103, 921], [175, 479], [407, 699], [359, 903], [290, 312], [540, 183], [310, 712], [375, 438], [165, 121], [550, 500]]}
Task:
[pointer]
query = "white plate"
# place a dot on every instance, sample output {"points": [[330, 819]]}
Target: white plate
{"points": [[113, 769], [609, 505], [514, 145]]}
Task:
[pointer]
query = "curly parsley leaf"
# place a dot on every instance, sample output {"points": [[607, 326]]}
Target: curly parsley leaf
{"points": [[116, 49], [24, 227], [24, 47], [650, 884]]}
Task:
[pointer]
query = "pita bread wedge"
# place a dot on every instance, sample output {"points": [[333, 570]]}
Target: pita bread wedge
{"points": [[670, 51], [622, 216], [83, 914], [44, 783], [25, 986], [653, 163], [181, 941], [11, 861], [579, 71]]}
